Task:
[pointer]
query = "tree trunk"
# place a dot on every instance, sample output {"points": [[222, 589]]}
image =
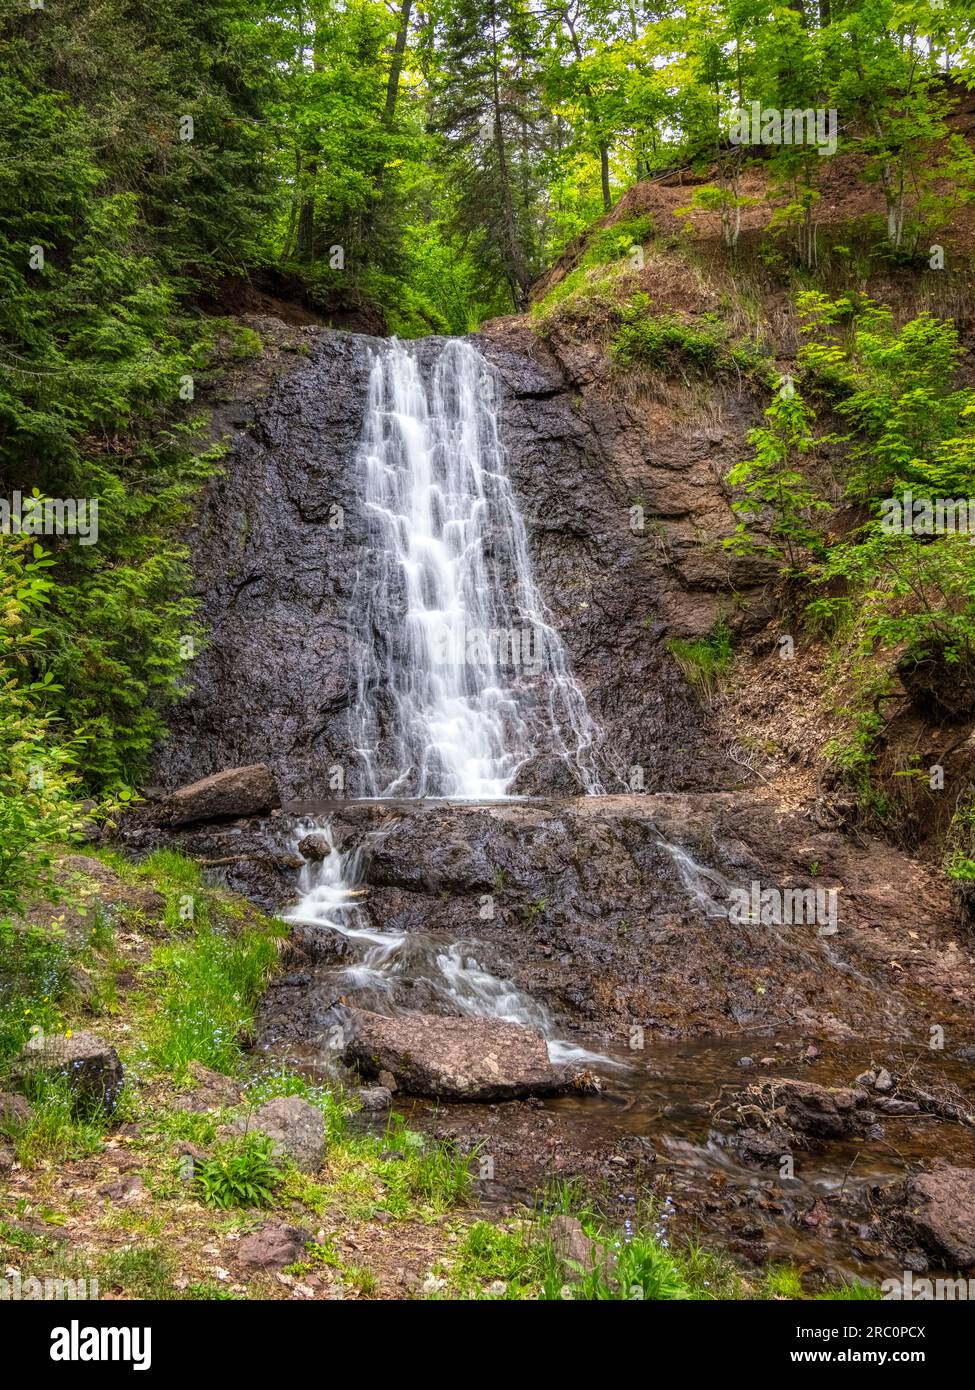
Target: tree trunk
{"points": [[396, 68]]}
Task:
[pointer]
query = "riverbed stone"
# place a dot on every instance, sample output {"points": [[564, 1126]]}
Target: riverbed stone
{"points": [[934, 1210], [454, 1058]]}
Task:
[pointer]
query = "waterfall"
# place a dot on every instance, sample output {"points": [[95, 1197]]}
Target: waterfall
{"points": [[461, 677]]}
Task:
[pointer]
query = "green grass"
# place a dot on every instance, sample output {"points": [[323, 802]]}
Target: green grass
{"points": [[214, 970], [706, 660], [58, 1129], [35, 975], [666, 343]]}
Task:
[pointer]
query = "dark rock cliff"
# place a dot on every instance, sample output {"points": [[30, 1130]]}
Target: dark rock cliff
{"points": [[280, 542]]}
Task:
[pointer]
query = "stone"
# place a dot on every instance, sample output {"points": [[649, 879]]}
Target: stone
{"points": [[15, 1111], [935, 1210], [574, 1250], [124, 1189], [454, 1058], [375, 1098], [272, 1246], [7, 1160], [238, 791], [91, 1065], [883, 1081], [315, 847], [296, 1127]]}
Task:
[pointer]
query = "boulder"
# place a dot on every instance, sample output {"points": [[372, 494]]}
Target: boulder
{"points": [[375, 1098], [296, 1127], [238, 791], [91, 1065], [315, 847], [15, 1111], [936, 1211], [272, 1246], [454, 1058]]}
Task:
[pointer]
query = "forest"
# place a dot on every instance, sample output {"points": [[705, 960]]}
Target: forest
{"points": [[716, 260]]}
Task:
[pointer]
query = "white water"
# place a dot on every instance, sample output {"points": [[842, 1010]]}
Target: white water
{"points": [[461, 677], [384, 960]]}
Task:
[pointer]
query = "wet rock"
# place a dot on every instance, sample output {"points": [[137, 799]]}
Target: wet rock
{"points": [[375, 1098], [936, 1211], [91, 1066], [272, 1246], [238, 791], [296, 1127], [15, 1111], [314, 847], [454, 1058], [772, 1117]]}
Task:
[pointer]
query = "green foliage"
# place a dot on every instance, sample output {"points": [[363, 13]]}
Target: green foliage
{"points": [[667, 343], [35, 972], [38, 797], [212, 977], [705, 660], [242, 1173], [777, 495]]}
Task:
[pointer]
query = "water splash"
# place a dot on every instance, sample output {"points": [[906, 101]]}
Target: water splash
{"points": [[460, 675], [382, 962]]}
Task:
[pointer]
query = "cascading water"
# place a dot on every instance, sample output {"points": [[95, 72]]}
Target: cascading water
{"points": [[460, 676]]}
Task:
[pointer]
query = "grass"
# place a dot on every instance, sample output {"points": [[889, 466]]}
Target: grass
{"points": [[35, 975], [706, 660], [57, 1130], [213, 973]]}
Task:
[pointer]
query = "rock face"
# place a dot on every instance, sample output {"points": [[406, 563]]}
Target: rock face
{"points": [[274, 683], [296, 1128], [238, 791], [454, 1058], [92, 1067]]}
